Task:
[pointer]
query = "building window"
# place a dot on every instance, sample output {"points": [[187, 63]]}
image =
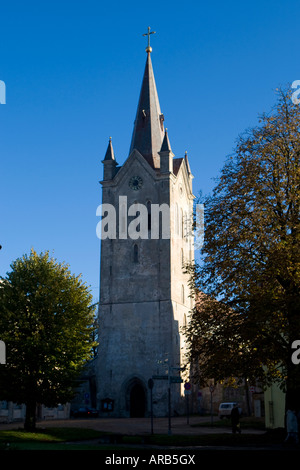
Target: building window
{"points": [[176, 219], [186, 227], [181, 224], [135, 254], [182, 294]]}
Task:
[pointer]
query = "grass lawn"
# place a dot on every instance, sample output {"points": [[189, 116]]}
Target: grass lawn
{"points": [[50, 439], [65, 439], [247, 422]]}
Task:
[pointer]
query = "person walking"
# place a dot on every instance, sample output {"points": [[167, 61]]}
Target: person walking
{"points": [[235, 419], [291, 427]]}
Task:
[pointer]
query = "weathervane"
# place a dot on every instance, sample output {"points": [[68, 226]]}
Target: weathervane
{"points": [[148, 48]]}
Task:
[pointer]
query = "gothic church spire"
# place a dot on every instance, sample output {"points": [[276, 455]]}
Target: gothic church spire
{"points": [[148, 132]]}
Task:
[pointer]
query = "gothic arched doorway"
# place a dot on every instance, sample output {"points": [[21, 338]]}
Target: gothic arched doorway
{"points": [[137, 401]]}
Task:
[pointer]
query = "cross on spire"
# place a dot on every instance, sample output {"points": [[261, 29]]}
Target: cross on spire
{"points": [[148, 48]]}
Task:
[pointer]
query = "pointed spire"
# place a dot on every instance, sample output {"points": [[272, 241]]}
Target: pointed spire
{"points": [[187, 163], [166, 147], [109, 163], [166, 155], [109, 152], [148, 129]]}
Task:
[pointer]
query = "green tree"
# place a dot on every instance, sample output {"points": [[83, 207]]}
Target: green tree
{"points": [[248, 312], [46, 321]]}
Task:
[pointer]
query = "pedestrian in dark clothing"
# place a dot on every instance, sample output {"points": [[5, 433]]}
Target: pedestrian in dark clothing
{"points": [[291, 427], [235, 420]]}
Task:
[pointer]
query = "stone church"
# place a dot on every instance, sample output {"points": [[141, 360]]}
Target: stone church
{"points": [[144, 293]]}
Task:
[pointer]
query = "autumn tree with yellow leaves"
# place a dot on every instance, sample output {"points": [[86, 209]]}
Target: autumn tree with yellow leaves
{"points": [[247, 313]]}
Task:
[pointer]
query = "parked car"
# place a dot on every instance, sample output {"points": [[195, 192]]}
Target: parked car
{"points": [[225, 409], [85, 412]]}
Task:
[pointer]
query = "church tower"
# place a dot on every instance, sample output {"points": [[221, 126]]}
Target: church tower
{"points": [[145, 240]]}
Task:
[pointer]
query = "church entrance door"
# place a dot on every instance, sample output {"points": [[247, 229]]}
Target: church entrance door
{"points": [[137, 401]]}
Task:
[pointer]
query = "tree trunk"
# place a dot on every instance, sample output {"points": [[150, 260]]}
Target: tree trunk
{"points": [[30, 418]]}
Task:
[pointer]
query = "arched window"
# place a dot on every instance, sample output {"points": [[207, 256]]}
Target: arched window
{"points": [[135, 254], [182, 293], [186, 227]]}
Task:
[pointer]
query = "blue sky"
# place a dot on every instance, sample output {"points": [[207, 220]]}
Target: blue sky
{"points": [[73, 73]]}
